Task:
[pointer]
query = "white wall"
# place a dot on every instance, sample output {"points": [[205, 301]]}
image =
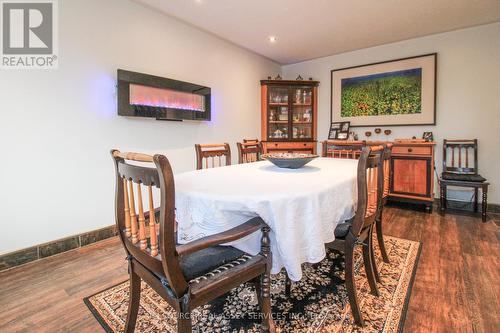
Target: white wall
{"points": [[468, 92], [58, 126]]}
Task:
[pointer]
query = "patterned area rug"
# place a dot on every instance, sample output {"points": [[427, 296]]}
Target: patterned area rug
{"points": [[318, 303]]}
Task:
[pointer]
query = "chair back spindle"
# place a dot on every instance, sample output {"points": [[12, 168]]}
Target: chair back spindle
{"points": [[128, 231], [214, 153], [387, 169], [142, 219], [153, 227], [460, 164], [133, 216]]}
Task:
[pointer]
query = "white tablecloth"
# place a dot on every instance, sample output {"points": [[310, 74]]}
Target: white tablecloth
{"points": [[301, 206]]}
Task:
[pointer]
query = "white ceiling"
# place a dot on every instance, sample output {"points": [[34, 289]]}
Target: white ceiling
{"points": [[307, 29]]}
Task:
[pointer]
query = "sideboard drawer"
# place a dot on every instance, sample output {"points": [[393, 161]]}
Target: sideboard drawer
{"points": [[291, 144], [299, 147], [411, 150]]}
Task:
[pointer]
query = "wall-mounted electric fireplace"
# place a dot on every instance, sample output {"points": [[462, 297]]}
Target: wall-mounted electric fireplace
{"points": [[143, 95]]}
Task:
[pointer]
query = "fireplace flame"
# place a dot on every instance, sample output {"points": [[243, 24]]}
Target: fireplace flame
{"points": [[166, 98]]}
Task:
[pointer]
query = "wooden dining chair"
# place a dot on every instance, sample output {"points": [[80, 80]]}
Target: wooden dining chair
{"points": [[218, 154], [336, 149], [459, 170], [352, 150], [385, 195], [249, 151], [342, 149], [187, 275], [359, 229]]}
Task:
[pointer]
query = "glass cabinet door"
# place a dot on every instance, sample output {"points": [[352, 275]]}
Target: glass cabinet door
{"points": [[302, 113], [278, 113]]}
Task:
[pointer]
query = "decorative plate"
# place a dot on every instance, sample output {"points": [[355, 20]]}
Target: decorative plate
{"points": [[289, 160]]}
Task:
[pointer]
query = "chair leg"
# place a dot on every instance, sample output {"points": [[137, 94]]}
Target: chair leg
{"points": [[351, 284], [184, 320], [445, 194], [265, 292], [485, 202], [367, 259], [476, 192], [264, 295], [184, 323], [443, 198], [134, 299], [288, 286], [380, 238], [258, 290], [373, 260]]}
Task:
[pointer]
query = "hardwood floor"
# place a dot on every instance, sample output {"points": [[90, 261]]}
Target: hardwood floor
{"points": [[456, 288]]}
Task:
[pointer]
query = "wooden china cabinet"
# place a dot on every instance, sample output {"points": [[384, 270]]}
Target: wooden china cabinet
{"points": [[289, 116]]}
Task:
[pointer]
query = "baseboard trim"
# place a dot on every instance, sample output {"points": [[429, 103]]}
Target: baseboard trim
{"points": [[45, 250], [467, 205]]}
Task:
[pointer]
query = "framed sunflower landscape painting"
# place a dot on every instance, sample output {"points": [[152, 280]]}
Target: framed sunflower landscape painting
{"points": [[396, 92]]}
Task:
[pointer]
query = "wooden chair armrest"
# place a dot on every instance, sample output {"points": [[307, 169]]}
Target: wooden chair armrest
{"points": [[230, 235]]}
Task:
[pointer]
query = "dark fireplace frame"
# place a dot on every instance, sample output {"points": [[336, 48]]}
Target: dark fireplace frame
{"points": [[125, 78]]}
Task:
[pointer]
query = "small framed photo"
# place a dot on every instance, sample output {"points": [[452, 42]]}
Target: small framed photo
{"points": [[336, 126], [342, 135], [333, 134], [428, 136], [339, 130]]}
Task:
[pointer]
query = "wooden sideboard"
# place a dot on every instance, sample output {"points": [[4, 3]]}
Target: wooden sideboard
{"points": [[411, 169], [412, 172], [289, 112]]}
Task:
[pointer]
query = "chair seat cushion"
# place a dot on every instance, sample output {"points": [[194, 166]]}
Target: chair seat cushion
{"points": [[201, 262], [463, 177], [342, 229]]}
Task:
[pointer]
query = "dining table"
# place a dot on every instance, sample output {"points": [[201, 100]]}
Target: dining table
{"points": [[301, 206]]}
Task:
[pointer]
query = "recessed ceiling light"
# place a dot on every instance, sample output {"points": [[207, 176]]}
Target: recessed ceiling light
{"points": [[272, 39]]}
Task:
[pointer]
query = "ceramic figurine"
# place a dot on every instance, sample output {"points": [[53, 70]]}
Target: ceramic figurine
{"points": [[297, 96], [307, 115]]}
